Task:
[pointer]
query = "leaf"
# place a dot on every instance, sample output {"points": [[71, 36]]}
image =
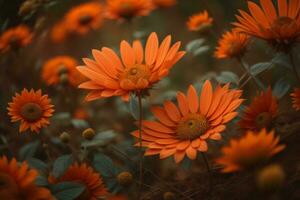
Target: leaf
{"points": [[100, 139], [194, 45], [67, 190], [201, 50], [38, 164], [282, 59], [80, 124], [260, 67], [63, 118], [41, 181], [61, 164], [281, 88], [186, 164], [134, 107], [228, 77], [104, 165], [28, 150]]}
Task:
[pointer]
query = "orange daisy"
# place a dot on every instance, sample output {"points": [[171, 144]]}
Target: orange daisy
{"points": [[232, 44], [281, 27], [15, 37], [138, 71], [185, 129], [199, 22], [261, 112], [127, 9], [85, 17], [252, 149], [18, 182], [164, 3], [82, 173], [296, 98], [57, 66], [31, 108], [59, 32]]}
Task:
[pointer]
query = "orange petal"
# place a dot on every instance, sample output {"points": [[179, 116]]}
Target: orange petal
{"points": [[206, 97], [151, 49], [192, 99], [172, 111], [127, 54]]}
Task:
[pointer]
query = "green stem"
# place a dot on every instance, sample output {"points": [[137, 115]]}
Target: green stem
{"points": [[140, 142]]}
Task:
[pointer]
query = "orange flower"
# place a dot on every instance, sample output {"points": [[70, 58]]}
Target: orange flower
{"points": [[138, 72], [232, 44], [164, 3], [59, 32], [85, 17], [199, 22], [252, 149], [127, 9], [280, 29], [15, 38], [94, 187], [32, 109], [18, 182], [54, 68], [81, 113], [183, 130], [261, 112], [296, 98]]}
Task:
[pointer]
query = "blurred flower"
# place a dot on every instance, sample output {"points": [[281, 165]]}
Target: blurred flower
{"points": [[14, 38], [125, 178], [252, 149], [94, 187], [31, 108], [232, 44], [270, 178], [118, 197], [58, 32], [199, 22], [81, 113], [138, 72], [261, 112], [88, 134], [127, 9], [164, 3], [183, 130], [18, 182], [65, 137], [57, 66], [85, 17], [296, 98], [281, 30]]}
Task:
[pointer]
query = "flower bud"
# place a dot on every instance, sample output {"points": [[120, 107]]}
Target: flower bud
{"points": [[88, 134], [270, 178], [64, 137], [125, 178]]}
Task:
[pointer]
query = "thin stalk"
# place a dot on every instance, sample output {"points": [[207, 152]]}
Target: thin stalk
{"points": [[140, 142], [206, 162], [209, 174], [245, 66], [294, 66]]}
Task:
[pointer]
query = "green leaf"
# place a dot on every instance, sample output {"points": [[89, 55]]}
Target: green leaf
{"points": [[134, 107], [282, 59], [41, 181], [281, 88], [61, 164], [79, 124], [194, 45], [104, 165], [201, 50], [38, 164], [67, 190], [228, 77], [260, 67], [28, 150]]}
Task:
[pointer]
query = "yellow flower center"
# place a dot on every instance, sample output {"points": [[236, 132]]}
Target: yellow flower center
{"points": [[31, 112], [85, 19], [136, 72], [263, 120], [192, 126]]}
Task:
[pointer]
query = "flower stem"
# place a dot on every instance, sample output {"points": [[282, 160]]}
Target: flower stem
{"points": [[206, 162], [294, 66], [140, 142]]}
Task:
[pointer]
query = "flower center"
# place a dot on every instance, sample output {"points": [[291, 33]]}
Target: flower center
{"points": [[14, 42], [263, 120], [31, 112], [283, 21], [85, 19], [136, 72], [62, 69], [126, 10], [192, 126], [8, 187]]}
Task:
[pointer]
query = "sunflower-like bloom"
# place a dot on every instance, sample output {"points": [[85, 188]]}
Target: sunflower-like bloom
{"points": [[199, 22], [127, 9], [58, 32], [84, 174], [61, 66], [31, 108], [252, 149], [296, 98], [281, 27], [18, 182], [232, 44], [15, 38], [85, 17], [138, 71], [164, 3], [261, 112], [184, 130]]}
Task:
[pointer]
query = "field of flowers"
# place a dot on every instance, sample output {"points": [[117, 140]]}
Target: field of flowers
{"points": [[149, 99]]}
